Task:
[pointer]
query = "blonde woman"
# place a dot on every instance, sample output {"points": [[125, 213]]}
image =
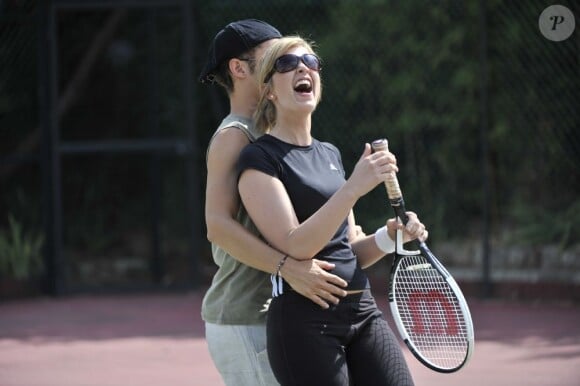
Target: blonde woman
{"points": [[294, 189]]}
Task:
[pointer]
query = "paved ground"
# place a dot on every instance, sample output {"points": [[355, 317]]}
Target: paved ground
{"points": [[157, 339]]}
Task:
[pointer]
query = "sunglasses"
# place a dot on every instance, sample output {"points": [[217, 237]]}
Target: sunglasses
{"points": [[289, 62]]}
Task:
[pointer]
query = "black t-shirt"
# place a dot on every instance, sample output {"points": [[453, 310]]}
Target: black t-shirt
{"points": [[311, 175]]}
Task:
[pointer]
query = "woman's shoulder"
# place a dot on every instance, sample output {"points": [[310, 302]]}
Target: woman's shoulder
{"points": [[259, 155], [261, 147], [328, 146], [263, 143]]}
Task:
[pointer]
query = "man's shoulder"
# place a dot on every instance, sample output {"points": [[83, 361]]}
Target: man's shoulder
{"points": [[230, 122], [233, 132], [244, 124]]}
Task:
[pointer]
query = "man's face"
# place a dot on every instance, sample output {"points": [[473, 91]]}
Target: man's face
{"points": [[258, 54], [259, 50]]}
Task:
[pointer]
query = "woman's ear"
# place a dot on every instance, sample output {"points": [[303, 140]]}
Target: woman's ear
{"points": [[269, 93]]}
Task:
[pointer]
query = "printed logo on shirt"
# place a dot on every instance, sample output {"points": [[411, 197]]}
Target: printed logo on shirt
{"points": [[332, 167]]}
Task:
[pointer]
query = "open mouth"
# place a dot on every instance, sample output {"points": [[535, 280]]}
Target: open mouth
{"points": [[303, 86]]}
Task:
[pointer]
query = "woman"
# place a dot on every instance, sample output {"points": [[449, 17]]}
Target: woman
{"points": [[294, 189]]}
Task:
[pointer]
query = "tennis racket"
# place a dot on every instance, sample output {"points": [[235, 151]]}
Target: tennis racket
{"points": [[427, 305]]}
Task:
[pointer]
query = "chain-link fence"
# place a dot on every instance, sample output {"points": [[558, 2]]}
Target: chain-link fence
{"points": [[480, 108]]}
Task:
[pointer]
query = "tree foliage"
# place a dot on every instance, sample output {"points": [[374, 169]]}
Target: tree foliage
{"points": [[412, 72]]}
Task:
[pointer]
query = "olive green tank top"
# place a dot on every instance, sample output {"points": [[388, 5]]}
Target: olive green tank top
{"points": [[238, 294]]}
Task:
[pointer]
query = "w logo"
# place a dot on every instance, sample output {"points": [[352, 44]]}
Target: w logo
{"points": [[431, 312]]}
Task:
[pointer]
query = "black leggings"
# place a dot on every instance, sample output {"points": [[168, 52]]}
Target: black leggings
{"points": [[348, 344]]}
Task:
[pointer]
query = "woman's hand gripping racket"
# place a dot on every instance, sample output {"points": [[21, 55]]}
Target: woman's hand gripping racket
{"points": [[428, 306]]}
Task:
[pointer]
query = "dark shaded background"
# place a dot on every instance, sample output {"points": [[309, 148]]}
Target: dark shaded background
{"points": [[103, 129]]}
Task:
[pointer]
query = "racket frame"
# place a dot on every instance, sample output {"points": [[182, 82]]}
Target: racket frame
{"points": [[426, 253], [398, 204]]}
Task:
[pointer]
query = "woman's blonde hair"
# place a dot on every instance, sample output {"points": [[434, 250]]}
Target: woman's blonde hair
{"points": [[265, 114]]}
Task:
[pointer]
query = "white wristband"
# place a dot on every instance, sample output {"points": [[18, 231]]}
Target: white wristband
{"points": [[383, 240]]}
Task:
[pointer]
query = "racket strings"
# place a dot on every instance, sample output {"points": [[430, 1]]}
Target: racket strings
{"points": [[430, 313]]}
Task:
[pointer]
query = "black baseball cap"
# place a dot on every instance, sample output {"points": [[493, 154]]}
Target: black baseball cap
{"points": [[234, 39]]}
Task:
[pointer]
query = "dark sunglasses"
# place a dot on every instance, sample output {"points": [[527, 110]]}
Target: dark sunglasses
{"points": [[289, 62]]}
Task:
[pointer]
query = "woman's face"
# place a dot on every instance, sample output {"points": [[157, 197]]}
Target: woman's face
{"points": [[297, 90]]}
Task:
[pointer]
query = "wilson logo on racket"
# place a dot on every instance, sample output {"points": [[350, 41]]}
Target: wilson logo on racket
{"points": [[423, 305]]}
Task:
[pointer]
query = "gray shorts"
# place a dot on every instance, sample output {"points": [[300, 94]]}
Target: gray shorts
{"points": [[239, 353]]}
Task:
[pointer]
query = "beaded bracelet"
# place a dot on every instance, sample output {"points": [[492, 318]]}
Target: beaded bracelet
{"points": [[280, 264]]}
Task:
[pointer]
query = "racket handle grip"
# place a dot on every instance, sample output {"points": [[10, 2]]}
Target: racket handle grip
{"points": [[392, 183]]}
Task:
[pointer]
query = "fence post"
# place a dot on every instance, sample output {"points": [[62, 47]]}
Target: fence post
{"points": [[50, 164], [484, 127], [193, 184]]}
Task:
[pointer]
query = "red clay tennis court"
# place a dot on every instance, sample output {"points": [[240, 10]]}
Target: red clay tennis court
{"points": [[157, 339]]}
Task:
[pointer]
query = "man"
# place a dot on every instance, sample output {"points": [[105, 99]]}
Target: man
{"points": [[234, 306]]}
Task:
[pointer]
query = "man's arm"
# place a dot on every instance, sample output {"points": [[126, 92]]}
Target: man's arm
{"points": [[309, 278]]}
